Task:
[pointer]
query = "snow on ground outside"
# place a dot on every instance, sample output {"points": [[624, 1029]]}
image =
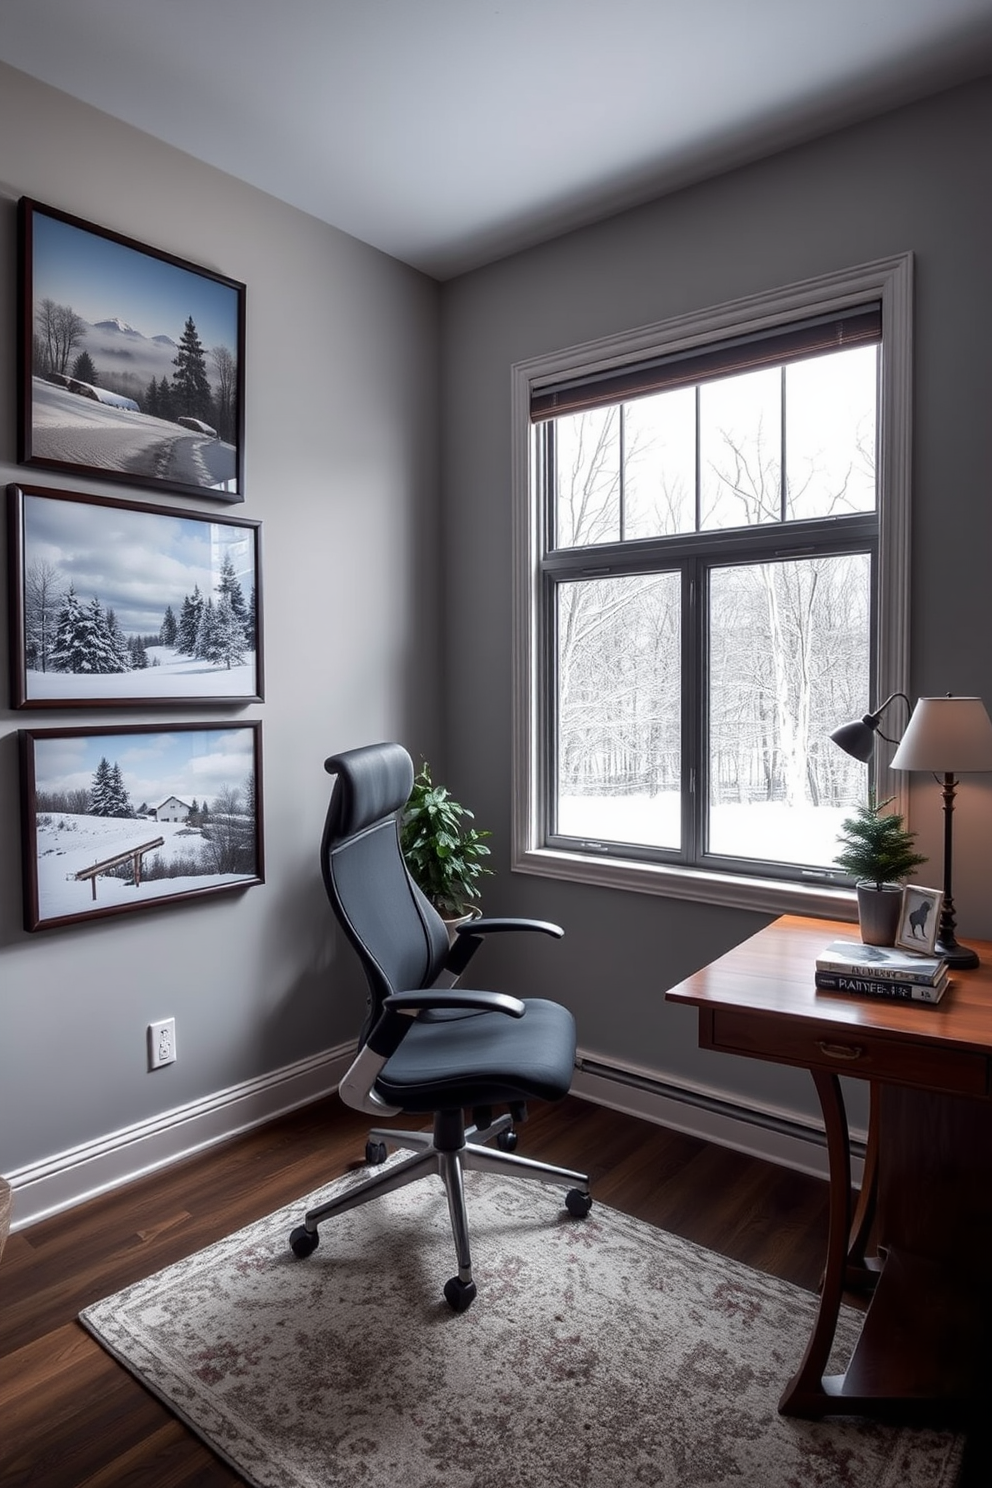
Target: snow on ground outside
{"points": [[766, 829], [85, 840], [175, 676]]}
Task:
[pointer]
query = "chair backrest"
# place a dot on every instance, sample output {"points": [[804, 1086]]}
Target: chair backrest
{"points": [[400, 938]]}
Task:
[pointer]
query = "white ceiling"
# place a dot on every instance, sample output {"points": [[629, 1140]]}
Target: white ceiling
{"points": [[451, 132]]}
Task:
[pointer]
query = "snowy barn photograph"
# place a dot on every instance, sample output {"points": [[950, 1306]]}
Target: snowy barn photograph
{"points": [[116, 601], [117, 819], [132, 364]]}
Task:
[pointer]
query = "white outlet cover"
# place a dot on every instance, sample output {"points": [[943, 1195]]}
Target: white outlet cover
{"points": [[161, 1043]]}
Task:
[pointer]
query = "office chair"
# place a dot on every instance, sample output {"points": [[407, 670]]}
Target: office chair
{"points": [[427, 1048]]}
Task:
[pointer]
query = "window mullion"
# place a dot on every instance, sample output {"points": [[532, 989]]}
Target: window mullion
{"points": [[549, 495], [698, 500], [622, 473], [783, 488], [692, 654]]}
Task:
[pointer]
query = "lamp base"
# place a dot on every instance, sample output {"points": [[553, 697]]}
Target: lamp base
{"points": [[958, 957]]}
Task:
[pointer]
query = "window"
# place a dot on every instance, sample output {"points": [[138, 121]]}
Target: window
{"points": [[712, 554]]}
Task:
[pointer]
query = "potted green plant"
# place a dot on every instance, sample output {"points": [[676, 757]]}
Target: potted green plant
{"points": [[877, 850], [444, 855]]}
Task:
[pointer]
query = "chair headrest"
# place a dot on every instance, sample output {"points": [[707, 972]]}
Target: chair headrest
{"points": [[373, 782]]}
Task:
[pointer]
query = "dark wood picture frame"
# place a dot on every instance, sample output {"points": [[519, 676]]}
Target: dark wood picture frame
{"points": [[118, 603], [131, 361], [86, 859]]}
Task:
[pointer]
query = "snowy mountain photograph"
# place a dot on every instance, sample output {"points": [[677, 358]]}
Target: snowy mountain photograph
{"points": [[118, 601], [120, 818], [132, 360]]}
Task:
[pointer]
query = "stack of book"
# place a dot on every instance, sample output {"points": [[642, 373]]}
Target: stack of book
{"points": [[880, 971]]}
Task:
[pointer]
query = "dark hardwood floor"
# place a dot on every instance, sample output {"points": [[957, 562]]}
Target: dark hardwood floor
{"points": [[70, 1417]]}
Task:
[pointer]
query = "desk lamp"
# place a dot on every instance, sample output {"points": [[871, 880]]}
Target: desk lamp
{"points": [[948, 736], [858, 737]]}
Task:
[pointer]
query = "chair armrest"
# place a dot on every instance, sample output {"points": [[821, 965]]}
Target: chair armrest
{"points": [[469, 937], [493, 925], [387, 1035], [455, 997], [357, 1087]]}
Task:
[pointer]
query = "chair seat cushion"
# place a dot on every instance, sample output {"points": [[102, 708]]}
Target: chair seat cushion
{"points": [[476, 1059]]}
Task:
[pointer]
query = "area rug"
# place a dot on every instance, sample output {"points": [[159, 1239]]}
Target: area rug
{"points": [[600, 1353]]}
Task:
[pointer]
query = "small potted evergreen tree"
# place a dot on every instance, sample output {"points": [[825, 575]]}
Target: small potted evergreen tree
{"points": [[443, 854], [878, 852]]}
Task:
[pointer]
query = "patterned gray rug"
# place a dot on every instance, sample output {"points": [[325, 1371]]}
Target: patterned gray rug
{"points": [[600, 1354]]}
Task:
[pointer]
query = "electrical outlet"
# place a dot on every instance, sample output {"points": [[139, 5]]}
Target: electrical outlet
{"points": [[161, 1043]]}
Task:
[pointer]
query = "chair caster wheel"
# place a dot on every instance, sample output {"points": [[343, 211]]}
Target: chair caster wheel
{"points": [[578, 1203], [304, 1242], [459, 1294], [375, 1153], [506, 1141]]}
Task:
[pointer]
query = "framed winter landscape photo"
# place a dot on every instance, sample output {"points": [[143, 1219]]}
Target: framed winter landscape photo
{"points": [[116, 602], [131, 360], [117, 819]]}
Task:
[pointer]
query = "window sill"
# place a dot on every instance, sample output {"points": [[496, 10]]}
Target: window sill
{"points": [[774, 896]]}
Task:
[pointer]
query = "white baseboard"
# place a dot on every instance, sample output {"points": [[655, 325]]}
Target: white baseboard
{"points": [[68, 1178], [765, 1131]]}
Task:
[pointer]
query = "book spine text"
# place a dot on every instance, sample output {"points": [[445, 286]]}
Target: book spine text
{"points": [[878, 973], [832, 981]]}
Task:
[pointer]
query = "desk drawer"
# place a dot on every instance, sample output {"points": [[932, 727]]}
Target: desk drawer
{"points": [[851, 1051]]}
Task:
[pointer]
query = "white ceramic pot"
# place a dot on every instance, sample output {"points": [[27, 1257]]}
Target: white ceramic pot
{"points": [[451, 925]]}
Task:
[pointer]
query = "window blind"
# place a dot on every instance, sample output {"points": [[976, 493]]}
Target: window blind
{"points": [[861, 325]]}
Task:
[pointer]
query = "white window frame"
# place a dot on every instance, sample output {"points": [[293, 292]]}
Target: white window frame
{"points": [[889, 281]]}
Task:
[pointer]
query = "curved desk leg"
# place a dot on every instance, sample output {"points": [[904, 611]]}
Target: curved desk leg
{"points": [[807, 1393], [862, 1270]]}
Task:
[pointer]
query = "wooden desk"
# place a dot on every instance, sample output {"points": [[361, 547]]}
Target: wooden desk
{"points": [[926, 1199]]}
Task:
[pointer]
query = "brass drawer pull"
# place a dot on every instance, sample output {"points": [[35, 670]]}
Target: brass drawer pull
{"points": [[840, 1051]]}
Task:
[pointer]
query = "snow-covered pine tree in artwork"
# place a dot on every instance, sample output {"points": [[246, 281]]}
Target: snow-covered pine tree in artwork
{"points": [[221, 637], [137, 653], [108, 794], [83, 368], [251, 626], [203, 646], [100, 789], [229, 635], [229, 586], [118, 648], [189, 623], [190, 386], [165, 400], [118, 791], [88, 639], [70, 652], [169, 627]]}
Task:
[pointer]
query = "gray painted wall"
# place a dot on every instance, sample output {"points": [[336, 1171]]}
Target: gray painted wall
{"points": [[347, 375], [342, 471], [911, 180]]}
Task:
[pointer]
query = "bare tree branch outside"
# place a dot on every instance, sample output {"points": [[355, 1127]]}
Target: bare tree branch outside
{"points": [[786, 639]]}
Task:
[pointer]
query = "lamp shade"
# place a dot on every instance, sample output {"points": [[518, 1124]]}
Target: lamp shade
{"points": [[946, 735]]}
